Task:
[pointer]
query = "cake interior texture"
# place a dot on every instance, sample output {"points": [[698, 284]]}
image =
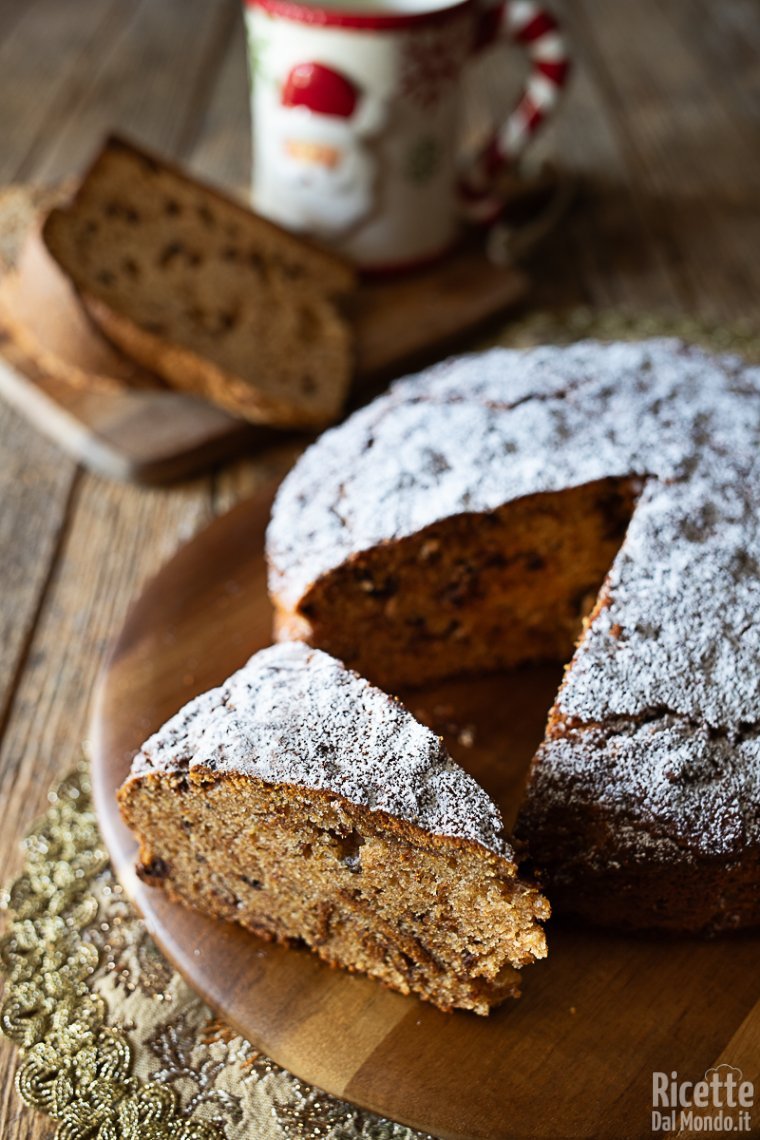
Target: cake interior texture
{"points": [[164, 261], [473, 592], [429, 914]]}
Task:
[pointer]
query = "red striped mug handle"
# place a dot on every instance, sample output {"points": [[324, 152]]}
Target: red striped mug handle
{"points": [[536, 30]]}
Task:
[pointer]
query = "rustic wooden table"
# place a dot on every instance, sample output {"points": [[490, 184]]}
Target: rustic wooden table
{"points": [[663, 122]]}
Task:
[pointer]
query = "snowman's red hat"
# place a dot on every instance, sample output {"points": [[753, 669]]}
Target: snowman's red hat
{"points": [[321, 90]]}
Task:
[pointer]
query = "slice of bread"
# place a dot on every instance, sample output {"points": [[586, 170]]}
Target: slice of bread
{"points": [[216, 300]]}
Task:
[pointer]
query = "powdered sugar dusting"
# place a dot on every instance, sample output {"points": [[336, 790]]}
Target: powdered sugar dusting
{"points": [[295, 715], [682, 632], [667, 787]]}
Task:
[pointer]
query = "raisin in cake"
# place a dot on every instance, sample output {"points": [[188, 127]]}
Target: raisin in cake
{"points": [[303, 803], [471, 517], [216, 300]]}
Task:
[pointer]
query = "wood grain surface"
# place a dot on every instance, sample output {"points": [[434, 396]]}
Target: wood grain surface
{"points": [[573, 1057], [662, 122]]}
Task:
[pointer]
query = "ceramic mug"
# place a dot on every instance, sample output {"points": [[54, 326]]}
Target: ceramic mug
{"points": [[356, 109]]}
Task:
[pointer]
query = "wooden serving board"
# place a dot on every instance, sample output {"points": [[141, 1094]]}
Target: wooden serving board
{"points": [[573, 1057], [59, 371]]}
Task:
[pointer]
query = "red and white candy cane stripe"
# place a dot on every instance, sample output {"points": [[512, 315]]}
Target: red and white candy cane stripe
{"points": [[538, 31], [528, 24]]}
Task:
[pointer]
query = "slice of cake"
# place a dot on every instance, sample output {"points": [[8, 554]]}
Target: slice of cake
{"points": [[307, 805], [216, 300]]}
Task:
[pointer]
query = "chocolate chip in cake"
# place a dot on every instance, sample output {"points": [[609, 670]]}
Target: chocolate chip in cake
{"points": [[254, 884], [154, 870]]}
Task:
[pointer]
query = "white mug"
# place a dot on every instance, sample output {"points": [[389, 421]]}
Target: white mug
{"points": [[356, 109]]}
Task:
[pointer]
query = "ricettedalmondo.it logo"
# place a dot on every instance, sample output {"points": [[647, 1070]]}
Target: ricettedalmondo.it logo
{"points": [[722, 1101]]}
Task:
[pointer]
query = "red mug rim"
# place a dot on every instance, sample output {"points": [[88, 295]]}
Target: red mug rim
{"points": [[322, 15]]}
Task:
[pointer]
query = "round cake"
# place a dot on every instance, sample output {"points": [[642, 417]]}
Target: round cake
{"points": [[504, 507]]}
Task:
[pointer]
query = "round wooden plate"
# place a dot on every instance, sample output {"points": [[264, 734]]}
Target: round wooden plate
{"points": [[573, 1057]]}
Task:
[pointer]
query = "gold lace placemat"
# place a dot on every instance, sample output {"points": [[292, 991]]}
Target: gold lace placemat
{"points": [[113, 1045]]}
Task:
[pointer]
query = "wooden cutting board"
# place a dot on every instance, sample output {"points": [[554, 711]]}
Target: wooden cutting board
{"points": [[58, 370], [573, 1057]]}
